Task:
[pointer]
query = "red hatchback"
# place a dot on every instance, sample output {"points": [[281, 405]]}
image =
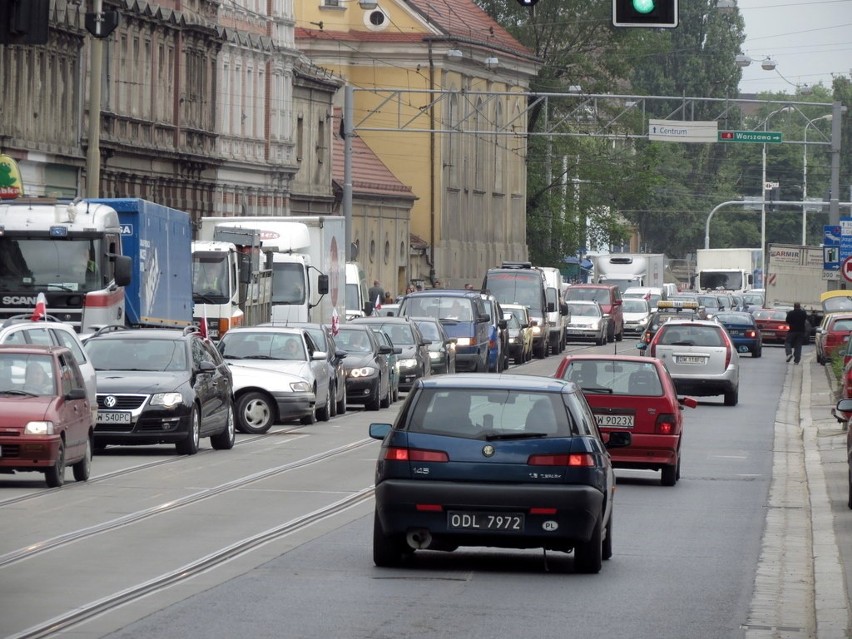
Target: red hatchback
{"points": [[634, 394], [45, 419], [772, 324], [832, 335]]}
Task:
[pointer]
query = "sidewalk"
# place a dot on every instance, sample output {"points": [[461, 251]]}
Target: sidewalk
{"points": [[800, 588]]}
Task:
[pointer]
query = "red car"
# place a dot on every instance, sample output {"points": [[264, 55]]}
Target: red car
{"points": [[634, 394], [772, 324], [45, 419], [832, 335]]}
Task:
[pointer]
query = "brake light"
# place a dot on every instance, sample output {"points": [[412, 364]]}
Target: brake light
{"points": [[576, 460], [728, 350], [429, 508], [416, 454], [542, 511], [751, 333], [666, 424]]}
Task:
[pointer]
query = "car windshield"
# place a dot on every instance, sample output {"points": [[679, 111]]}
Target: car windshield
{"points": [[430, 331], [635, 305], [43, 264], [753, 300], [400, 334], [137, 354], [518, 313], [490, 414], [618, 378], [771, 315], [262, 345], [584, 310], [599, 295], [354, 341], [26, 374], [708, 301], [686, 335], [439, 307], [734, 318]]}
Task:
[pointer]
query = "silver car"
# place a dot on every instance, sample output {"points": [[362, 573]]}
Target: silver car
{"points": [[588, 321], [637, 314], [700, 357]]}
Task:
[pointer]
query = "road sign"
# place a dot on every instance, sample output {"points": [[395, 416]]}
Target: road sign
{"points": [[846, 269], [764, 137], [682, 130], [771, 185]]}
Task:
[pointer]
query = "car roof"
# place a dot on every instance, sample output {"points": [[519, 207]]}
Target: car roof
{"points": [[380, 320], [31, 349], [443, 292], [500, 382], [291, 330], [639, 359], [147, 333], [692, 322]]}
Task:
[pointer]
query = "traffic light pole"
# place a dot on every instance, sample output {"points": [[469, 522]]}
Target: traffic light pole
{"points": [[93, 151]]}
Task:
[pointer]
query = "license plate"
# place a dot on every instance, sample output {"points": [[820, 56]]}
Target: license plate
{"points": [[503, 522], [615, 421], [113, 418], [690, 359]]}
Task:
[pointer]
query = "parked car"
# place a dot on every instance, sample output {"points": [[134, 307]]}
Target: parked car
{"points": [[843, 413], [636, 394], [700, 357], [414, 361], [161, 386], [498, 335], [464, 317], [288, 350], [832, 334], [366, 364], [609, 298], [490, 457], [393, 362], [588, 321], [45, 420], [22, 330], [772, 324], [637, 314], [324, 341], [442, 347], [743, 330], [519, 324]]}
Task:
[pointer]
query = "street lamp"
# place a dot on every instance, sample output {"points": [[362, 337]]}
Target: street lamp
{"points": [[827, 116], [763, 187]]}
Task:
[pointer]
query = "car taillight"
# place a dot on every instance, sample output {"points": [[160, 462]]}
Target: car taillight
{"points": [[646, 337], [429, 508], [666, 423], [728, 351], [415, 454], [751, 333], [577, 459]]}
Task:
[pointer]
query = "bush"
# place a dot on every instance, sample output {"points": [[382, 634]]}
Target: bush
{"points": [[837, 363]]}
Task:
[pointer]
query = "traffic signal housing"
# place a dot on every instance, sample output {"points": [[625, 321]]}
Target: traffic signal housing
{"points": [[662, 14]]}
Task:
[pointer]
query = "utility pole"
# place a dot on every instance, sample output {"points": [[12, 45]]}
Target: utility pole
{"points": [[93, 152]]}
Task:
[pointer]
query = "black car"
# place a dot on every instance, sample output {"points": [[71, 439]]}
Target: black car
{"points": [[509, 462], [161, 386], [366, 366], [414, 362], [442, 347]]}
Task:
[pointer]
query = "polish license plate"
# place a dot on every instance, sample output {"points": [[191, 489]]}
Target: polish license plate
{"points": [[615, 421], [473, 521], [113, 418], [691, 359]]}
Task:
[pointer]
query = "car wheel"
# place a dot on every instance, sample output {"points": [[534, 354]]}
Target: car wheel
{"points": [[731, 397], [388, 551], [83, 468], [255, 413], [332, 389], [324, 412], [225, 440], [589, 554], [374, 403], [310, 418], [606, 548], [668, 476], [189, 446], [541, 351], [341, 403], [601, 341], [385, 402], [55, 475], [620, 335], [757, 352]]}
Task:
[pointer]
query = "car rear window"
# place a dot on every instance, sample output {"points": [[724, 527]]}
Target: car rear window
{"points": [[842, 325], [683, 335], [617, 378], [439, 307], [490, 414]]}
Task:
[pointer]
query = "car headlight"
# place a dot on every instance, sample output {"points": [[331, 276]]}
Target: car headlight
{"points": [[536, 330], [300, 387], [513, 340], [38, 428], [407, 363], [364, 371], [169, 400], [436, 355], [466, 341]]}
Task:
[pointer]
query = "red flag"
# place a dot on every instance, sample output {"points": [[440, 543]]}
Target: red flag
{"points": [[335, 322], [378, 305], [40, 311], [203, 327]]}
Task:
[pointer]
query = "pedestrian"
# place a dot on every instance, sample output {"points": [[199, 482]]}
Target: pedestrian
{"points": [[388, 299], [409, 289], [376, 293], [437, 284], [468, 287], [797, 320]]}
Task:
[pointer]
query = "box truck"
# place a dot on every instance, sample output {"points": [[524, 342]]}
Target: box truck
{"points": [[629, 270], [735, 270]]}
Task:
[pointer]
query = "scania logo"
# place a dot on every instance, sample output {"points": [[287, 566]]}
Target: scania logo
{"points": [[488, 450], [19, 300], [110, 401]]}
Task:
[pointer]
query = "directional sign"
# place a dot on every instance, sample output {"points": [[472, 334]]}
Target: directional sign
{"points": [[846, 269], [764, 137], [831, 248], [682, 131]]}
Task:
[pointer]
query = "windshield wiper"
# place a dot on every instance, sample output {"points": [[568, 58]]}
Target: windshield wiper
{"points": [[204, 298], [494, 436], [597, 389], [15, 391]]}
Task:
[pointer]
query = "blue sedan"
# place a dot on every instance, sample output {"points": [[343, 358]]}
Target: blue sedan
{"points": [[744, 331]]}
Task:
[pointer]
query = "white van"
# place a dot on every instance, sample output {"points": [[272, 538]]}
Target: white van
{"points": [[356, 292], [556, 319]]}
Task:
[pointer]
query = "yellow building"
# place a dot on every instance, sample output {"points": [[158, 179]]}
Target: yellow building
{"points": [[438, 96]]}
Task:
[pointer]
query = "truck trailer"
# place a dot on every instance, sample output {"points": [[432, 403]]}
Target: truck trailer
{"points": [[627, 270], [794, 273]]}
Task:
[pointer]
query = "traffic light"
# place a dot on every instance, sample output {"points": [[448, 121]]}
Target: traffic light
{"points": [[645, 13], [24, 21]]}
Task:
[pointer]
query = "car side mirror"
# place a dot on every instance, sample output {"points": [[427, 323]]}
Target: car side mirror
{"points": [[483, 318], [340, 355], [641, 346], [385, 350], [551, 307], [689, 402], [76, 393], [563, 309], [426, 342], [319, 355], [206, 367], [503, 324], [379, 431], [397, 350], [368, 308], [322, 284]]}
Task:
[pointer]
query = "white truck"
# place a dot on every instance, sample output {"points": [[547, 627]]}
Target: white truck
{"points": [[794, 273], [231, 280], [357, 304], [735, 270], [627, 270], [559, 318], [306, 255]]}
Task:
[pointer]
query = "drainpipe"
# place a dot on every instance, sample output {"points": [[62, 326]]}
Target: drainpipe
{"points": [[430, 257]]}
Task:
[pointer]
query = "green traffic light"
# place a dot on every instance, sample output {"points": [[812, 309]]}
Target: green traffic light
{"points": [[643, 6]]}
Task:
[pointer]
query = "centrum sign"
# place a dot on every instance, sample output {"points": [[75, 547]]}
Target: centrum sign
{"points": [[763, 137], [682, 130]]}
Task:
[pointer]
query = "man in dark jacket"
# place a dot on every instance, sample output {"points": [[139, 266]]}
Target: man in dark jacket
{"points": [[797, 320]]}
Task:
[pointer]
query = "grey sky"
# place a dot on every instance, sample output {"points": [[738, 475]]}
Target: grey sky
{"points": [[809, 40]]}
